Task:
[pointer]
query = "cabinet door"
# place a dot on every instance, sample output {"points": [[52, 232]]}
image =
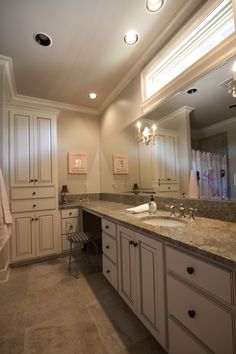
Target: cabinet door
{"points": [[147, 165], [44, 149], [127, 274], [23, 236], [150, 285], [21, 149], [45, 233]]}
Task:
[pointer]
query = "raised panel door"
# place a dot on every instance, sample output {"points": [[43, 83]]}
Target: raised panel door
{"points": [[23, 237], [45, 233]]}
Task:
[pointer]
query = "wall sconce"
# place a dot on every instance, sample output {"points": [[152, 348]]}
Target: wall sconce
{"points": [[147, 134], [64, 190], [232, 83]]}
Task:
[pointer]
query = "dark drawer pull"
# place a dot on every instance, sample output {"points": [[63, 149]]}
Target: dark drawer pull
{"points": [[135, 244], [32, 219], [35, 180], [107, 246], [190, 270], [107, 227], [36, 219], [131, 242], [70, 213], [34, 205], [108, 271], [33, 193], [191, 313], [31, 180]]}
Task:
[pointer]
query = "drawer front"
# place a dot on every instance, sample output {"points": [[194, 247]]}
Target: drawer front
{"points": [[69, 213], [65, 244], [69, 225], [109, 247], [166, 187], [33, 205], [211, 278], [181, 342], [109, 227], [205, 319], [110, 271], [33, 192]]}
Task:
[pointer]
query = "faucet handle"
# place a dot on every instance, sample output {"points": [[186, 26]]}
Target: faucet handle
{"points": [[191, 213], [181, 210], [172, 209]]}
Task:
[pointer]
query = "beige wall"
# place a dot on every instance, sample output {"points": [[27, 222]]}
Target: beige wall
{"points": [[78, 132], [118, 137]]}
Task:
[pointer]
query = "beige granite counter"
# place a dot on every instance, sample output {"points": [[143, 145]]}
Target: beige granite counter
{"points": [[208, 237]]}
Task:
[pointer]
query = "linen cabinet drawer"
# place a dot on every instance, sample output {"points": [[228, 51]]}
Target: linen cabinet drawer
{"points": [[211, 278], [182, 342], [34, 192], [168, 187], [69, 213], [109, 227], [110, 271], [109, 247], [69, 225], [33, 205], [205, 319]]}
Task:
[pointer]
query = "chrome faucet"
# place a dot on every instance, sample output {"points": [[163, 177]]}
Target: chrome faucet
{"points": [[181, 211], [191, 213]]}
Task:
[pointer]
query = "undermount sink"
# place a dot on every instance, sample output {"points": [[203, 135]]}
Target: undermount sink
{"points": [[163, 221]]}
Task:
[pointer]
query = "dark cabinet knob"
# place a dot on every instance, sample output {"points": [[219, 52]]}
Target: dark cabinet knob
{"points": [[33, 193], [107, 227], [131, 242], [36, 219], [190, 270], [34, 205], [70, 213], [31, 180], [135, 244], [32, 219], [107, 246], [191, 313], [35, 180], [108, 271]]}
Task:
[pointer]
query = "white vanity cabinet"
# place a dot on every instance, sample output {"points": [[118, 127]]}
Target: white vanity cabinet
{"points": [[201, 305], [141, 279], [33, 183], [109, 249], [69, 223]]}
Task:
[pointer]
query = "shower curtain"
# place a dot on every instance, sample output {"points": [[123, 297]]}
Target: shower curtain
{"points": [[211, 170]]}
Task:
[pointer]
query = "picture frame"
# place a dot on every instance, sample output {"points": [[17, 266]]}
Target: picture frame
{"points": [[120, 164], [77, 163]]}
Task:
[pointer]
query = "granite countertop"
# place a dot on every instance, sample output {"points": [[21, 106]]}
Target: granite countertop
{"points": [[212, 238]]}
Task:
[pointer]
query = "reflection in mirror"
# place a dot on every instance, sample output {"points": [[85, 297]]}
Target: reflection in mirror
{"points": [[197, 131]]}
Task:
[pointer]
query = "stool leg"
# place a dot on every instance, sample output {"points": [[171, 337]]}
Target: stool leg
{"points": [[76, 261], [70, 255]]}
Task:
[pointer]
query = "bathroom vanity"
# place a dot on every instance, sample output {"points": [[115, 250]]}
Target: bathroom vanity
{"points": [[179, 281]]}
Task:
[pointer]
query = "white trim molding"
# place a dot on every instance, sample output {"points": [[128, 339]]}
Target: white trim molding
{"points": [[4, 273]]}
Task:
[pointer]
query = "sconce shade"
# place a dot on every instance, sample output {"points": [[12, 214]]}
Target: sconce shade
{"points": [[64, 189]]}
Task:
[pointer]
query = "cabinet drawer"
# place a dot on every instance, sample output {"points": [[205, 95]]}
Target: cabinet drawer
{"points": [[204, 318], [109, 227], [69, 213], [110, 271], [211, 278], [33, 205], [70, 224], [109, 247], [33, 192], [181, 342]]}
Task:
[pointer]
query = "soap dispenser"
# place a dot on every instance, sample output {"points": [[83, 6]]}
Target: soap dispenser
{"points": [[152, 205]]}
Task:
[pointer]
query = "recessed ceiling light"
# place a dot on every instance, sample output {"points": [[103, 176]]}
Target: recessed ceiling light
{"points": [[131, 37], [42, 39], [154, 5], [92, 95], [192, 91]]}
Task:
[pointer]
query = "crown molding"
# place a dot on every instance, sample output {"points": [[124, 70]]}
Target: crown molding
{"points": [[212, 128]]}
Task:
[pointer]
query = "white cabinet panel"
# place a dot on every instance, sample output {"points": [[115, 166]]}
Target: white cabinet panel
{"points": [[33, 204], [110, 271], [23, 240], [33, 193], [45, 234]]}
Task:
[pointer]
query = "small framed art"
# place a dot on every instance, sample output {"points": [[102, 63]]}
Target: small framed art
{"points": [[120, 164], [77, 163]]}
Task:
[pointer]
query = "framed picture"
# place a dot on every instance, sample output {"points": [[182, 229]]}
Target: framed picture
{"points": [[120, 164], [77, 162]]}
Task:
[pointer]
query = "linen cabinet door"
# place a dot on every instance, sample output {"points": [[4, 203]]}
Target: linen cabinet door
{"points": [[150, 285], [45, 233], [44, 149], [21, 149], [126, 262], [23, 236]]}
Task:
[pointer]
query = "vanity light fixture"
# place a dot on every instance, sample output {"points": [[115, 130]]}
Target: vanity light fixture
{"points": [[232, 83], [153, 6], [92, 95], [131, 37], [42, 39], [147, 134]]}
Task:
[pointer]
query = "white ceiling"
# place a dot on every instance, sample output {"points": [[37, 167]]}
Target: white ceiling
{"points": [[88, 52]]}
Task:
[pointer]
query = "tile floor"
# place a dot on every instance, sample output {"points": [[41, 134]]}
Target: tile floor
{"points": [[45, 310]]}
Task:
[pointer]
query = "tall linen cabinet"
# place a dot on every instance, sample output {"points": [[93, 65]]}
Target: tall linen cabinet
{"points": [[33, 183]]}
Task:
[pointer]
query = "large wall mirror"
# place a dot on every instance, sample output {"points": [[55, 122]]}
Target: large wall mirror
{"points": [[197, 131]]}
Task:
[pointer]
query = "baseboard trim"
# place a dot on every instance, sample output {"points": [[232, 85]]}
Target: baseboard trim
{"points": [[37, 260]]}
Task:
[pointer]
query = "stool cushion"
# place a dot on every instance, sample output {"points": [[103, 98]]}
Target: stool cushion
{"points": [[78, 237]]}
